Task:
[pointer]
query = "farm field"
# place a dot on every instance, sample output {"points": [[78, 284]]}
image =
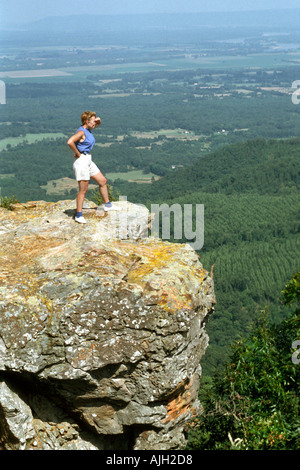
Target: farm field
{"points": [[28, 139], [187, 62], [61, 185], [136, 176], [181, 134]]}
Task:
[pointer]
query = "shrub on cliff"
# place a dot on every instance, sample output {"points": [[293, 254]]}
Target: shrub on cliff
{"points": [[97, 198], [254, 403], [7, 201]]}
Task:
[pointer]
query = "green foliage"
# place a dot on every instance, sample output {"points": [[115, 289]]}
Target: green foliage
{"points": [[97, 198], [6, 202], [255, 166], [291, 292], [253, 403]]}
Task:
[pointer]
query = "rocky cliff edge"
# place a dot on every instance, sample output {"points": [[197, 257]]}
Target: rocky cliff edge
{"points": [[102, 330]]}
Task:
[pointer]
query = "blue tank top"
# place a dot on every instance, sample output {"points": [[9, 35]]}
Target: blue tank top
{"points": [[87, 145]]}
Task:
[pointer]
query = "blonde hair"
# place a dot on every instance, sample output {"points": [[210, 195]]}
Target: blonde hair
{"points": [[86, 116]]}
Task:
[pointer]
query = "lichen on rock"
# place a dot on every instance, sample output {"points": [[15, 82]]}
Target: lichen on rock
{"points": [[102, 330]]}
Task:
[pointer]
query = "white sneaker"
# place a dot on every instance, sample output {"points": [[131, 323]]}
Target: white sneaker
{"points": [[80, 220], [111, 208]]}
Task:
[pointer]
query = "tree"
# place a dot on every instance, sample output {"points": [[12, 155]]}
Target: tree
{"points": [[254, 403]]}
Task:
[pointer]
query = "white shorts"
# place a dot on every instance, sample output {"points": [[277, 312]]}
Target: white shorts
{"points": [[84, 167]]}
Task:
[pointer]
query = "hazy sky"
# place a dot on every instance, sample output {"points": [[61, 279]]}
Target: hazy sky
{"points": [[22, 11]]}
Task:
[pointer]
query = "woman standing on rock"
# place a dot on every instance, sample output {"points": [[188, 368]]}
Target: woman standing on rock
{"points": [[84, 168]]}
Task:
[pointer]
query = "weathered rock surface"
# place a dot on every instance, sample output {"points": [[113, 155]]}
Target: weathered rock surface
{"points": [[101, 331]]}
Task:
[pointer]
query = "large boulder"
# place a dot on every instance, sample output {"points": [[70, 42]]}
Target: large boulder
{"points": [[102, 330]]}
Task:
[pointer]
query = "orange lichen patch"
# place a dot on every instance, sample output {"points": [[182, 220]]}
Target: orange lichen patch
{"points": [[31, 205], [176, 408], [151, 259], [106, 262], [18, 257], [172, 301], [182, 403], [23, 212]]}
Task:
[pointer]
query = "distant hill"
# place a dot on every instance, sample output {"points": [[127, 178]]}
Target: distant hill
{"points": [[255, 166], [264, 18], [88, 29]]}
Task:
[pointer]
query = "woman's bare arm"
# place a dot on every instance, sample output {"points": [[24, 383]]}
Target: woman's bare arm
{"points": [[72, 140]]}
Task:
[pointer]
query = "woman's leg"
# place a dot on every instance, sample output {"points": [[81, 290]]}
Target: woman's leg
{"points": [[101, 180], [83, 187]]}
